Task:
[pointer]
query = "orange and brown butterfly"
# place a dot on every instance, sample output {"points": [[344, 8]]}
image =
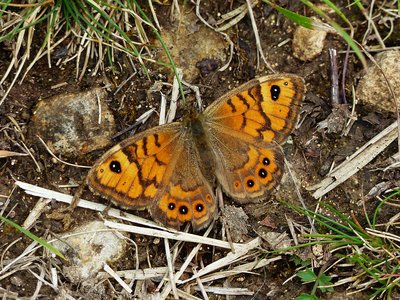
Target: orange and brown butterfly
{"points": [[171, 169]]}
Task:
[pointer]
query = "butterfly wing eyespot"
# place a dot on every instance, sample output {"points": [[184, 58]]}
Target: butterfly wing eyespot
{"points": [[178, 207], [245, 129]]}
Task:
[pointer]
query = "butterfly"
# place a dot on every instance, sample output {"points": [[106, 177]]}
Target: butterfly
{"points": [[171, 169]]}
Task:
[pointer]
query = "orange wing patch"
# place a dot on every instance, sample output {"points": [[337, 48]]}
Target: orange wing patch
{"points": [[261, 173], [131, 173], [264, 108], [178, 206]]}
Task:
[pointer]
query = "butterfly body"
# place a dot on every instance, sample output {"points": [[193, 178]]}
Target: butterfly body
{"points": [[171, 169]]}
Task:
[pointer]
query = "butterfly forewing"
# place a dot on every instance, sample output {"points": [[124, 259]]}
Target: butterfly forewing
{"points": [[265, 108], [131, 173]]}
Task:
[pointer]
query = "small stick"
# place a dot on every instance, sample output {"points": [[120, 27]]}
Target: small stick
{"points": [[335, 78]]}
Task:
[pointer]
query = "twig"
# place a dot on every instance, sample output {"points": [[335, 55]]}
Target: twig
{"points": [[232, 46], [257, 36], [58, 159], [114, 275], [335, 78]]}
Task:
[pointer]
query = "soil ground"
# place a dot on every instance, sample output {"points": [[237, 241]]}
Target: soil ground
{"points": [[311, 152]]}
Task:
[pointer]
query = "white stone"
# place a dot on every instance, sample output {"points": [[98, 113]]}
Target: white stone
{"points": [[372, 89], [88, 248], [308, 43]]}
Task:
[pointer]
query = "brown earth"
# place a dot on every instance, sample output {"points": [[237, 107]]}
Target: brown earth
{"points": [[311, 152]]}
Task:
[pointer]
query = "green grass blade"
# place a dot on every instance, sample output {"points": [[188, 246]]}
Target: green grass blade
{"points": [[349, 40], [337, 11], [308, 23], [164, 46], [4, 6], [298, 19], [41, 241], [376, 212], [326, 222]]}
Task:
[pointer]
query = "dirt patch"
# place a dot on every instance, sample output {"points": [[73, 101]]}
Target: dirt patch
{"points": [[311, 152]]}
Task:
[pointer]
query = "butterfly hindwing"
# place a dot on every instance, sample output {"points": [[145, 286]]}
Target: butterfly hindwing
{"points": [[188, 196]]}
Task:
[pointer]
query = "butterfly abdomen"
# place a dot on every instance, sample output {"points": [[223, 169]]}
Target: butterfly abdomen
{"points": [[201, 142]]}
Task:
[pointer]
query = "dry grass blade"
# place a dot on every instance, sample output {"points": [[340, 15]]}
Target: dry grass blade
{"points": [[235, 16], [226, 291], [186, 296], [5, 153], [170, 234], [21, 259], [50, 194], [356, 161], [382, 234], [156, 230], [174, 97], [244, 268], [257, 37], [35, 213], [167, 289], [140, 274], [114, 275], [371, 23], [200, 285], [39, 282], [58, 159], [225, 261], [170, 268]]}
